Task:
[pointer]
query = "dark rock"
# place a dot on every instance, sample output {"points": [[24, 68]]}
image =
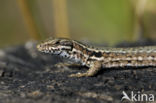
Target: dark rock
{"points": [[28, 76]]}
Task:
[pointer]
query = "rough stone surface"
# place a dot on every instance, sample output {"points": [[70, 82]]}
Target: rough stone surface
{"points": [[28, 76]]}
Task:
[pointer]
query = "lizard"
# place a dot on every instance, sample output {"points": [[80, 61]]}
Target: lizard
{"points": [[97, 58]]}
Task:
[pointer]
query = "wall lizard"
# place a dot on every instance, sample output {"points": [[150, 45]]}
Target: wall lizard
{"points": [[97, 58]]}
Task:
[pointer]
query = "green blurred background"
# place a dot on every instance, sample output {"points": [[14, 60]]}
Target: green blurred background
{"points": [[99, 21]]}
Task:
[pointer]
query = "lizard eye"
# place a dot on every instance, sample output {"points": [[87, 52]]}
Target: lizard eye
{"points": [[57, 42], [65, 43]]}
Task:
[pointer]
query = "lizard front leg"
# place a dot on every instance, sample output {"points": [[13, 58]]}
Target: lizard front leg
{"points": [[94, 68]]}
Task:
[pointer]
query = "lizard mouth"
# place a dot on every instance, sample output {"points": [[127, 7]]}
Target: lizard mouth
{"points": [[43, 48]]}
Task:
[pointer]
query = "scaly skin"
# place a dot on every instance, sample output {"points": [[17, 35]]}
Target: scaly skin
{"points": [[96, 58]]}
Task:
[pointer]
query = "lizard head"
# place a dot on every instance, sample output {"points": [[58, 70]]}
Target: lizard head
{"points": [[59, 46]]}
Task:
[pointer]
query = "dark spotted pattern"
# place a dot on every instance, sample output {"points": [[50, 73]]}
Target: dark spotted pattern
{"points": [[96, 54]]}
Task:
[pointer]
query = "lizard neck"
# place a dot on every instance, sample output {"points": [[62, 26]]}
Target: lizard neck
{"points": [[84, 54]]}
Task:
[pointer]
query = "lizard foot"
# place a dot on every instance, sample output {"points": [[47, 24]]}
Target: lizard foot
{"points": [[78, 75]]}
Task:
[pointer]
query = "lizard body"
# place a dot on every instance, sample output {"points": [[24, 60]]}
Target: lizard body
{"points": [[97, 58]]}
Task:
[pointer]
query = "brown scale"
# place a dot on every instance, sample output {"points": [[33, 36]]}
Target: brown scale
{"points": [[113, 57], [88, 52], [153, 55], [77, 47], [81, 56], [84, 59], [135, 59], [83, 50]]}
